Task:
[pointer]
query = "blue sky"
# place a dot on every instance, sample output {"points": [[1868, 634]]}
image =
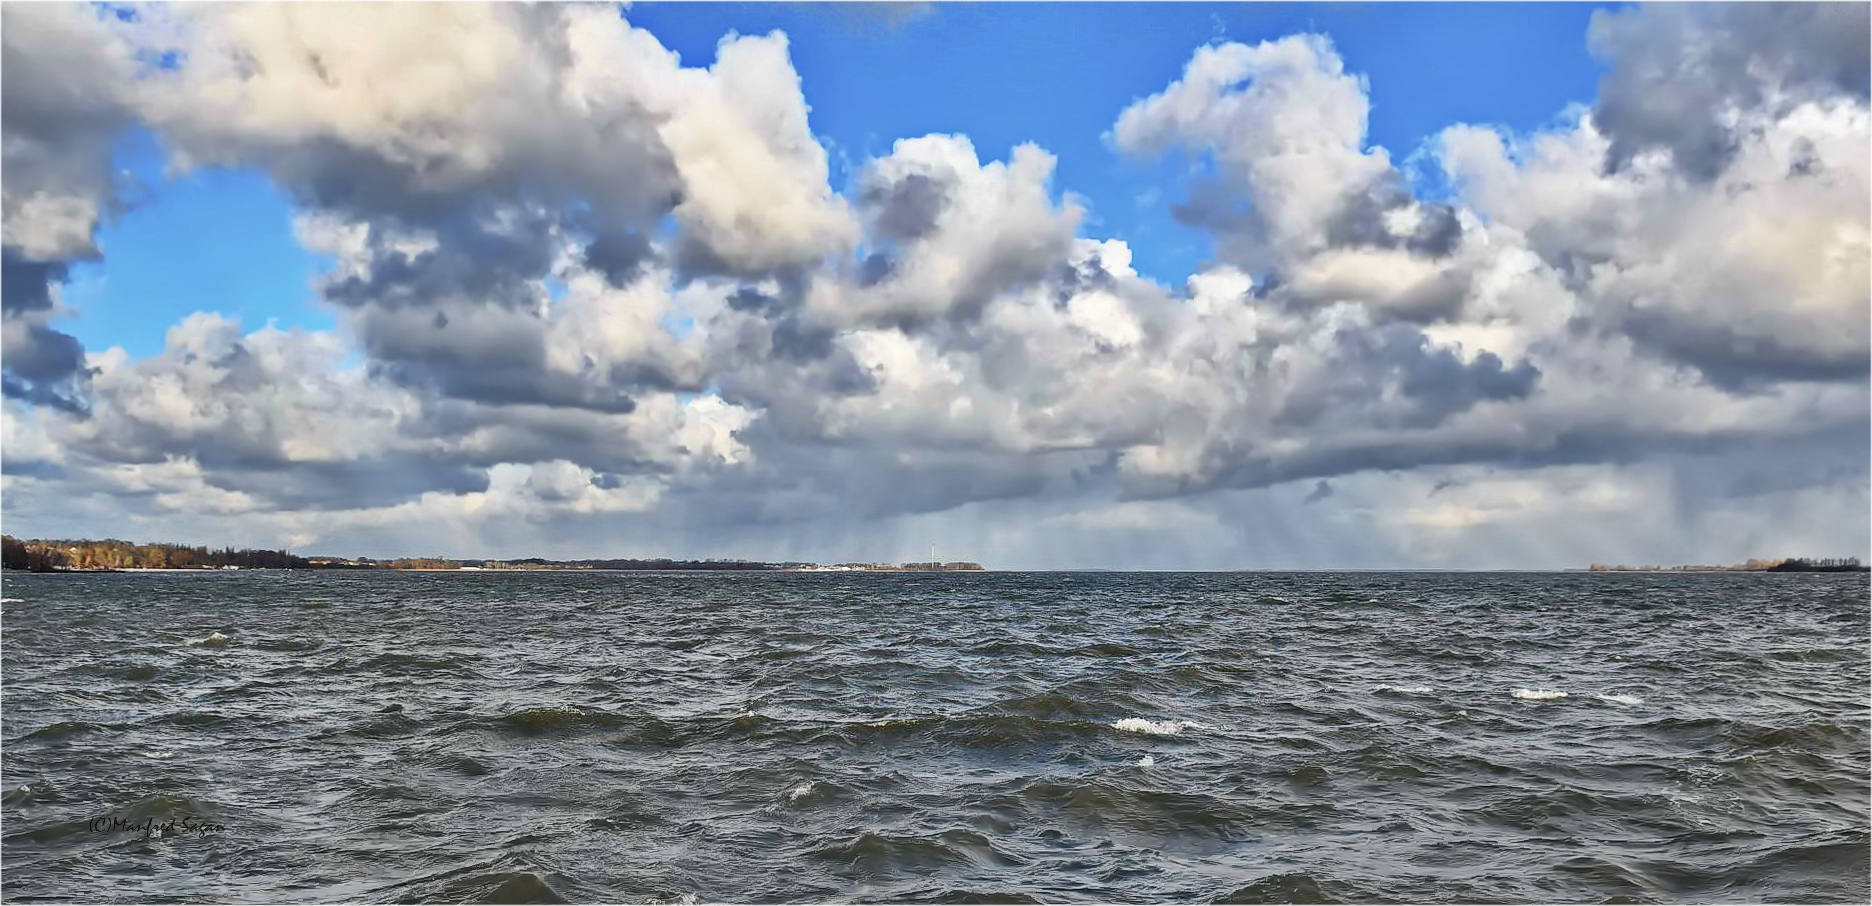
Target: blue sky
{"points": [[1055, 74]]}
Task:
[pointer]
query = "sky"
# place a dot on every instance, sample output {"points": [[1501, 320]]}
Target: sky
{"points": [[1148, 286]]}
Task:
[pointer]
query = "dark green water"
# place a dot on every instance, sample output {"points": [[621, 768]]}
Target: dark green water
{"points": [[963, 738]]}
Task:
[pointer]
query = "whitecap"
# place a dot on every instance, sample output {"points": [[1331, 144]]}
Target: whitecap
{"points": [[214, 640], [1537, 695], [1404, 690], [1619, 699], [802, 791], [1147, 762], [12, 601], [1153, 727]]}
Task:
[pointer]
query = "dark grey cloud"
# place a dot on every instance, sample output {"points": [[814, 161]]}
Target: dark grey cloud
{"points": [[1675, 68], [1214, 207], [1431, 383], [373, 481], [1764, 467], [619, 256], [802, 482], [44, 367], [26, 286], [38, 363], [1740, 362], [463, 318], [482, 436], [906, 208], [1322, 489], [468, 266], [876, 268], [1361, 221], [1607, 442], [1073, 278], [784, 365]]}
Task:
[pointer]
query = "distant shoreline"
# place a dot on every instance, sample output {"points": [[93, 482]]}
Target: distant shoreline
{"points": [[111, 554], [1788, 565], [1563, 571]]}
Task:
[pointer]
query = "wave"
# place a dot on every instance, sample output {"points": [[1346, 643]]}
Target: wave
{"points": [[1102, 649], [1404, 690], [1748, 737], [1537, 695], [818, 792], [214, 640], [1046, 706], [382, 726], [557, 719], [984, 731], [1124, 804], [454, 763], [1004, 647], [501, 887], [289, 644], [63, 729], [895, 853], [398, 664], [137, 672], [1618, 699], [942, 894], [162, 806], [1153, 727], [975, 730], [1818, 655], [1147, 762], [1287, 887], [189, 718], [30, 793]]}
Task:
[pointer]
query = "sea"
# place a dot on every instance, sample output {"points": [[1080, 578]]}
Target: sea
{"points": [[618, 737]]}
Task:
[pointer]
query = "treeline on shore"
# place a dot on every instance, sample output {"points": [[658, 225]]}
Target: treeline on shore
{"points": [[110, 553], [54, 555], [1787, 565]]}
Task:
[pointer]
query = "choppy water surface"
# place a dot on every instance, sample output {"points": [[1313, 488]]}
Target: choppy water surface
{"points": [[964, 738]]}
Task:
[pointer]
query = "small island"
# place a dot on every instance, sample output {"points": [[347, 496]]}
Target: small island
{"points": [[1787, 565], [112, 555]]}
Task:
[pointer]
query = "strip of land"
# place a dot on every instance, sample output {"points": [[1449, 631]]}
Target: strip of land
{"points": [[1788, 565], [85, 555]]}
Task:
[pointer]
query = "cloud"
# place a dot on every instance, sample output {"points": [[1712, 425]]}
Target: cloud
{"points": [[65, 81], [1296, 196], [755, 199], [1755, 275], [954, 231], [455, 158], [1681, 73], [585, 292]]}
